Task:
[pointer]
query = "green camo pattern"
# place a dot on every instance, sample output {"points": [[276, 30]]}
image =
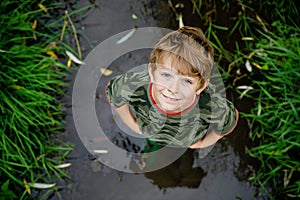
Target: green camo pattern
{"points": [[211, 111]]}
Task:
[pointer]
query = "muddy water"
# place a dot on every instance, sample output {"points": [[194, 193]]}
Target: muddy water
{"points": [[222, 174]]}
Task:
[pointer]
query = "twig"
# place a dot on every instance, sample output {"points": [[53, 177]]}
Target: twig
{"points": [[75, 35], [63, 30]]}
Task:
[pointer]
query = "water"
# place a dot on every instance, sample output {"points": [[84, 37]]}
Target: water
{"points": [[223, 174]]}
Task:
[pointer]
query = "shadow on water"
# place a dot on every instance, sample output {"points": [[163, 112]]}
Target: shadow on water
{"points": [[222, 174]]}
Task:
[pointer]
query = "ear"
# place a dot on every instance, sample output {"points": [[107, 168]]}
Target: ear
{"points": [[150, 71], [203, 87]]}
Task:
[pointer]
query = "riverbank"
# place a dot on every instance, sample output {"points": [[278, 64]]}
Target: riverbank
{"points": [[257, 49], [33, 67]]}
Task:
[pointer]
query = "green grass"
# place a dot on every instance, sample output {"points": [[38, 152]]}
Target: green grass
{"points": [[274, 120], [31, 84], [267, 34]]}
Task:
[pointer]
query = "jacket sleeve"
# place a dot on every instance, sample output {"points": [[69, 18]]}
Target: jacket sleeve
{"points": [[117, 92], [223, 116]]}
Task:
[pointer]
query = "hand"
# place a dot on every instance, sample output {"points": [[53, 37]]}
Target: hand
{"points": [[211, 138], [197, 145], [128, 118]]}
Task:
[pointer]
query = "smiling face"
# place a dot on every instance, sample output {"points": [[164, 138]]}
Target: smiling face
{"points": [[173, 92]]}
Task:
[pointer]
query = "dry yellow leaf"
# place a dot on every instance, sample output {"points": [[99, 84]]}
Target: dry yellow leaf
{"points": [[69, 62], [34, 24], [105, 72], [256, 65], [26, 186], [52, 54], [41, 6], [247, 38]]}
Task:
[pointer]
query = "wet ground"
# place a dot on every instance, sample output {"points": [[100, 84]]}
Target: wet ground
{"points": [[222, 174]]}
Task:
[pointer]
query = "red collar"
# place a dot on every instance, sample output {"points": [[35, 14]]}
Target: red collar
{"points": [[167, 113]]}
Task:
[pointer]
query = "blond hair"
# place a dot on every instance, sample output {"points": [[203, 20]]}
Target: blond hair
{"points": [[189, 51]]}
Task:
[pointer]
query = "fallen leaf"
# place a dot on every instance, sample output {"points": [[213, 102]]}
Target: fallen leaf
{"points": [[34, 24], [244, 87], [248, 66], [247, 38], [69, 62], [41, 6], [134, 16], [52, 54], [179, 5], [74, 58], [26, 186], [103, 151], [105, 72], [42, 185], [126, 37], [256, 65], [65, 165]]}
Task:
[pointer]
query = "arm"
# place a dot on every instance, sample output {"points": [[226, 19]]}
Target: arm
{"points": [[128, 118], [212, 137]]}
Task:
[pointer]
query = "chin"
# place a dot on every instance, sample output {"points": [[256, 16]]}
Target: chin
{"points": [[170, 108]]}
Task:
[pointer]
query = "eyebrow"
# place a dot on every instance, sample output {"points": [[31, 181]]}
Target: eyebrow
{"points": [[172, 70]]}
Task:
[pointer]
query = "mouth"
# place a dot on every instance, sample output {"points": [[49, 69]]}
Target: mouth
{"points": [[171, 99]]}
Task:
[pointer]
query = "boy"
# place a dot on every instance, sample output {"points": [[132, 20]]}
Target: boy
{"points": [[171, 102]]}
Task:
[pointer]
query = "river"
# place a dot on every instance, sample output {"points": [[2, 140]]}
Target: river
{"points": [[223, 174]]}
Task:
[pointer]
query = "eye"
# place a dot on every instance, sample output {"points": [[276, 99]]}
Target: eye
{"points": [[165, 75], [188, 82]]}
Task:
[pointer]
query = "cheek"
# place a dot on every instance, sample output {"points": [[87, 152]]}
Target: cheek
{"points": [[189, 94], [158, 87]]}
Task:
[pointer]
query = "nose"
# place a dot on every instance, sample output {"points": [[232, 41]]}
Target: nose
{"points": [[173, 87]]}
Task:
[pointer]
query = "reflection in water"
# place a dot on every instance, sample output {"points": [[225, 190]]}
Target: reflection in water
{"points": [[184, 172], [180, 173]]}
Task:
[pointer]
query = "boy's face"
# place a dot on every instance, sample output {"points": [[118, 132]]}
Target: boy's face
{"points": [[173, 92]]}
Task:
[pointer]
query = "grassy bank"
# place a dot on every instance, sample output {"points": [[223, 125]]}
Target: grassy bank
{"points": [[257, 49], [274, 120], [32, 48]]}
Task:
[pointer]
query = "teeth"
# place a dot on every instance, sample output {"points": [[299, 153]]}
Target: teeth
{"points": [[170, 98]]}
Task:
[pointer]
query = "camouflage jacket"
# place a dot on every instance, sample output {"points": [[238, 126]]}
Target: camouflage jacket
{"points": [[211, 110]]}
